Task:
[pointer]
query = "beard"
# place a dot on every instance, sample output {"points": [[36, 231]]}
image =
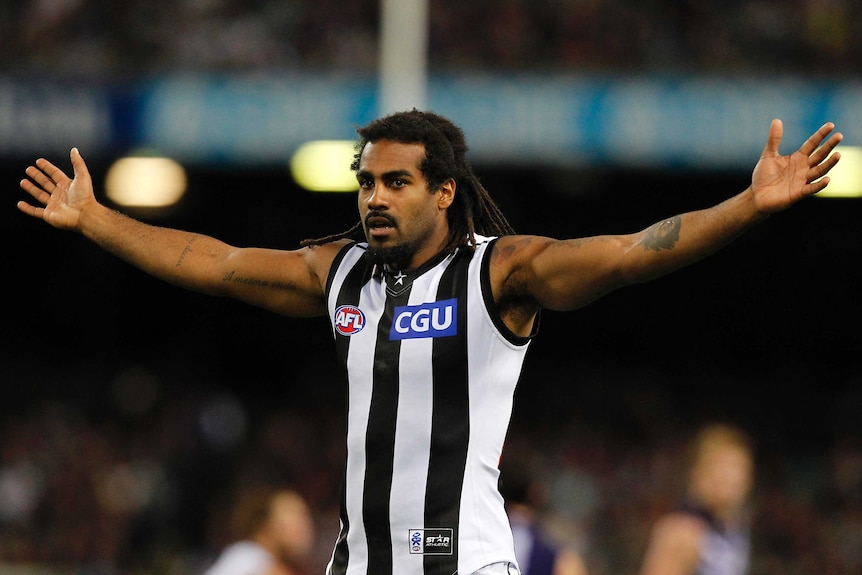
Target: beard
{"points": [[396, 257]]}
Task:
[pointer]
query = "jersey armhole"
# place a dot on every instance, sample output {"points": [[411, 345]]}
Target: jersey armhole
{"points": [[330, 277], [491, 306]]}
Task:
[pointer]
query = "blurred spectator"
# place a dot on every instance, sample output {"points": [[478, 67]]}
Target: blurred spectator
{"points": [[141, 38], [274, 535], [537, 552], [709, 533]]}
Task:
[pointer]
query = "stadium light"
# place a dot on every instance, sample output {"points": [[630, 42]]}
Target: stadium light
{"points": [[145, 182], [324, 166], [845, 179]]}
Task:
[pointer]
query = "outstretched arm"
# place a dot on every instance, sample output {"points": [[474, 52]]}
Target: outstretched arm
{"points": [[287, 282], [535, 272]]}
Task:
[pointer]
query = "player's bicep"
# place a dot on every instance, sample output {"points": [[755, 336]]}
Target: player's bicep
{"points": [[286, 282], [568, 274]]}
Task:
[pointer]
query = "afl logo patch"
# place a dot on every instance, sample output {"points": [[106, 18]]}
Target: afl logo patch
{"points": [[349, 320]]}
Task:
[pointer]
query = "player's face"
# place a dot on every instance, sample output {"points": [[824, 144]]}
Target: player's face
{"points": [[292, 527], [405, 224], [724, 477]]}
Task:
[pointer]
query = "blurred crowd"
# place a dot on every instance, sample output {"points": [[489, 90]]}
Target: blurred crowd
{"points": [[136, 476], [142, 38]]}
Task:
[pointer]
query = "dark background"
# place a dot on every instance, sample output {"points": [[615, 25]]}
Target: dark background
{"points": [[764, 330]]}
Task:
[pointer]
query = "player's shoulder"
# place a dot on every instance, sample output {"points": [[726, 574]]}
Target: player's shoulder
{"points": [[512, 250], [685, 528], [320, 259], [325, 254]]}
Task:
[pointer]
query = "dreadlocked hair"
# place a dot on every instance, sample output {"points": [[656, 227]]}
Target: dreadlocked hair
{"points": [[472, 212]]}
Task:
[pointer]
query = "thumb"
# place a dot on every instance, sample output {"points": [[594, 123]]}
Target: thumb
{"points": [[78, 164], [776, 132]]}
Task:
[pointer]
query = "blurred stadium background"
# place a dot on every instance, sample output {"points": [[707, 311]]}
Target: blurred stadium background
{"points": [[131, 409]]}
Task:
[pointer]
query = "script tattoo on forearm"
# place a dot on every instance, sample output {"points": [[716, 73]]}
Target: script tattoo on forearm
{"points": [[662, 236], [186, 251], [230, 277]]}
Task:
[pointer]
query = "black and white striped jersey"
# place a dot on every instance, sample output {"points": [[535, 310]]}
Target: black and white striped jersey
{"points": [[431, 374]]}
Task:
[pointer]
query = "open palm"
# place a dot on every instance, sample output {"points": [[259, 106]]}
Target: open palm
{"points": [[780, 181], [61, 198]]}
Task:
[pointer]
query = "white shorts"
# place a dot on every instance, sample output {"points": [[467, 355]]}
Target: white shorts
{"points": [[502, 568]]}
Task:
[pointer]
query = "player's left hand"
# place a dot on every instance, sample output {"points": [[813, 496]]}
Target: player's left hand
{"points": [[780, 181]]}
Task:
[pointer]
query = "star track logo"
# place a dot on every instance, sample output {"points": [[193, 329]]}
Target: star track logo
{"points": [[431, 541]]}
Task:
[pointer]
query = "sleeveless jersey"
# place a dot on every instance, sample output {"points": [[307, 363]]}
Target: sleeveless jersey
{"points": [[242, 558], [431, 372], [725, 550]]}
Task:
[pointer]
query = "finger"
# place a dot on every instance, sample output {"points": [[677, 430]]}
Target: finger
{"points": [[821, 169], [30, 210], [816, 186], [776, 132], [78, 164], [814, 140], [39, 194], [823, 151], [53, 172], [40, 178], [820, 155]]}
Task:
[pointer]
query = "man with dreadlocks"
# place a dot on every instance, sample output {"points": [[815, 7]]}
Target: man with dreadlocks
{"points": [[433, 301]]}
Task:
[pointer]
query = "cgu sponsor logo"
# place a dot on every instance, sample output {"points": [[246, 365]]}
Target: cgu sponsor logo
{"points": [[348, 320], [435, 319]]}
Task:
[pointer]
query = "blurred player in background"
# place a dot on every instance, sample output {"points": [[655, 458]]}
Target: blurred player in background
{"points": [[708, 534], [537, 551], [274, 532]]}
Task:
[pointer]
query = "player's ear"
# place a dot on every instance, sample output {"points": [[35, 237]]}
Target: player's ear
{"points": [[446, 194]]}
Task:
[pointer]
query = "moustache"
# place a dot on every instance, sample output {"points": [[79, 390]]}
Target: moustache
{"points": [[377, 218]]}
